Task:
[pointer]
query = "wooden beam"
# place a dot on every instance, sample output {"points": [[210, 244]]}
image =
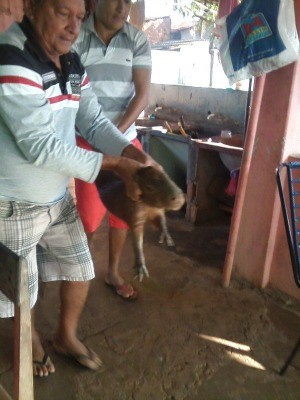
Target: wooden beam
{"points": [[23, 377], [137, 14], [14, 284]]}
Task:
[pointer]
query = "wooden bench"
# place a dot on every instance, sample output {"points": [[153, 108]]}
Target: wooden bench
{"points": [[14, 284]]}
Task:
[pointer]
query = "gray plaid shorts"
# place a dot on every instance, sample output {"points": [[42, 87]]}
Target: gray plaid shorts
{"points": [[51, 238]]}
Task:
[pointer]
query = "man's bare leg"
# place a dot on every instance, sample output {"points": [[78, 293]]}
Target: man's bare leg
{"points": [[117, 238], [42, 365], [73, 296]]}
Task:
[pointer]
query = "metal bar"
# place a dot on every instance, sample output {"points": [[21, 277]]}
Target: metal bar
{"points": [[290, 358], [291, 241]]}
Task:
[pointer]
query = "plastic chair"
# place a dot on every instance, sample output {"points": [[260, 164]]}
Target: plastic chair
{"points": [[14, 284], [290, 204]]}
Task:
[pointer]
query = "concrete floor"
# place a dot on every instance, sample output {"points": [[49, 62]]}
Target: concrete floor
{"points": [[185, 338]]}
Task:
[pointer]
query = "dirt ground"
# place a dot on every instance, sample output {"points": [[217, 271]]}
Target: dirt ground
{"points": [[184, 338]]}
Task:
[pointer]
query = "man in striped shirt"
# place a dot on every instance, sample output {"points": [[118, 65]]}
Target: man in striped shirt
{"points": [[117, 57], [44, 92]]}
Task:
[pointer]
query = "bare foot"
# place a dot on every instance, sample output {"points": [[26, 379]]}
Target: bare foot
{"points": [[114, 279], [120, 287], [42, 364], [77, 350]]}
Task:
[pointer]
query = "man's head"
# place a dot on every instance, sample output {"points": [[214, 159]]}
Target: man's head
{"points": [[112, 14], [57, 23]]}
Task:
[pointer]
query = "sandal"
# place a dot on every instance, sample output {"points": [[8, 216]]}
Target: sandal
{"points": [[89, 360]]}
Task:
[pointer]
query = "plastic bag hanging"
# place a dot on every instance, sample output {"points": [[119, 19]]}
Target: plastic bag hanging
{"points": [[257, 37]]}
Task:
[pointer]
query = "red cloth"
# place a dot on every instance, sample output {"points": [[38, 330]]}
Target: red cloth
{"points": [[89, 205], [232, 186], [225, 8]]}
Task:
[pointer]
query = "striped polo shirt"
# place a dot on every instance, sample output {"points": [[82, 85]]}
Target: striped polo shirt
{"points": [[109, 68], [39, 107]]}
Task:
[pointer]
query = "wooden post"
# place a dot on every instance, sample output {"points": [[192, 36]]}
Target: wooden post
{"points": [[244, 173], [23, 377], [14, 284], [137, 14]]}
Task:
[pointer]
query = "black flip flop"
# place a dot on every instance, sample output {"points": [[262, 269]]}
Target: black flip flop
{"points": [[87, 360]]}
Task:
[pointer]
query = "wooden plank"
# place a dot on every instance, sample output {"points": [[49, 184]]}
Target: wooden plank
{"points": [[14, 284], [137, 14], [218, 146], [201, 206], [9, 263], [23, 377]]}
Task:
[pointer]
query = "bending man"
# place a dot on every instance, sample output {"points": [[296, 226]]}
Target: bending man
{"points": [[44, 92]]}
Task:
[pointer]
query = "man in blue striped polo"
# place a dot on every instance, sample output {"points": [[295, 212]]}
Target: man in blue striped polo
{"points": [[117, 57]]}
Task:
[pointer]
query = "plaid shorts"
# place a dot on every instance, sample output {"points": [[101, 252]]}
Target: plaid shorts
{"points": [[51, 238]]}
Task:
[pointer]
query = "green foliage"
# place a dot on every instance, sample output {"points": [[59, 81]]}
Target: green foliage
{"points": [[203, 12], [199, 9]]}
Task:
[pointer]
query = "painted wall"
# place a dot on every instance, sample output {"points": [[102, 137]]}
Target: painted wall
{"points": [[196, 102]]}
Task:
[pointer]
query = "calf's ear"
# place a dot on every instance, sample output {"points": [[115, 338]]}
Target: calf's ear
{"points": [[144, 175], [143, 172]]}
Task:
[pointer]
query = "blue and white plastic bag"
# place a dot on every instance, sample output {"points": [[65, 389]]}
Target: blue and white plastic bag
{"points": [[257, 37]]}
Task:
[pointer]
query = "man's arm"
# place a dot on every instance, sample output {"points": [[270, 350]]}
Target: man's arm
{"points": [[141, 80]]}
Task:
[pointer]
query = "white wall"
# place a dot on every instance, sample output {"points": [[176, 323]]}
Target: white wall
{"points": [[189, 66]]}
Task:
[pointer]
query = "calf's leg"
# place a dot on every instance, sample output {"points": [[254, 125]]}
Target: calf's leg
{"points": [[164, 235], [140, 264]]}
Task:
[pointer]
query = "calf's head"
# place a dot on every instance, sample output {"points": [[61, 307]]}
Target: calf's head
{"points": [[158, 190]]}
